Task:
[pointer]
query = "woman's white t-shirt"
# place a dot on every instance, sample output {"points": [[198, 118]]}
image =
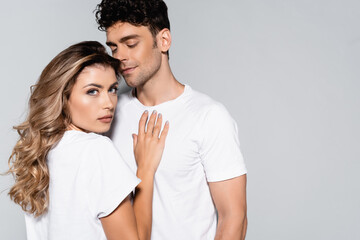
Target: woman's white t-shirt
{"points": [[88, 180]]}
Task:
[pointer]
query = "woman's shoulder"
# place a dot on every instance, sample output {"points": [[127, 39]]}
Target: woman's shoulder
{"points": [[80, 146], [80, 139]]}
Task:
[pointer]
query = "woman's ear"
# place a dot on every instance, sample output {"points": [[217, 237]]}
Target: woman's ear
{"points": [[164, 40]]}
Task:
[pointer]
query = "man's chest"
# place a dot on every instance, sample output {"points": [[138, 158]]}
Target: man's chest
{"points": [[182, 145]]}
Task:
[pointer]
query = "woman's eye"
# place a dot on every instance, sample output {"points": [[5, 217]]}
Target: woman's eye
{"points": [[92, 92], [113, 90]]}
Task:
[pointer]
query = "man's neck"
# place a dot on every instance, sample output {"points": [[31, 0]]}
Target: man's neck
{"points": [[162, 87]]}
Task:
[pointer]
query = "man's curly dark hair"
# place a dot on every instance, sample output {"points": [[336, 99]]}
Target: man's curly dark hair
{"points": [[150, 13]]}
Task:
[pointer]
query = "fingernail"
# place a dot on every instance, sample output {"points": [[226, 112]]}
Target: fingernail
{"points": [[146, 111], [154, 112], [167, 123], [159, 115]]}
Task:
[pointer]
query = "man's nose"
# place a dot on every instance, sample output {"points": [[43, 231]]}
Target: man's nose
{"points": [[120, 54]]}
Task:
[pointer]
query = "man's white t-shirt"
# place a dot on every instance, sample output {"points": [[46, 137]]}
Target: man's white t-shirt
{"points": [[88, 180], [202, 146]]}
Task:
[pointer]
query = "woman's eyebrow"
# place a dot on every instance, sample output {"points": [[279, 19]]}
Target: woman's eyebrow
{"points": [[115, 83], [93, 85]]}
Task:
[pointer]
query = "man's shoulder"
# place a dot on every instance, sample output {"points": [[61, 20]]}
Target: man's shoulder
{"points": [[203, 102]]}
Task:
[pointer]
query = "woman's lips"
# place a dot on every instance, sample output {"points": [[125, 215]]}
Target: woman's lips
{"points": [[106, 119]]}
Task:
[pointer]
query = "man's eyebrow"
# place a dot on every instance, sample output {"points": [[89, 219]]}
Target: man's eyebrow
{"points": [[123, 39], [93, 85], [111, 44]]}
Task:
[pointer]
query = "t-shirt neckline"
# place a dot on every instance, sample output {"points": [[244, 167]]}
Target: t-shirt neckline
{"points": [[163, 105]]}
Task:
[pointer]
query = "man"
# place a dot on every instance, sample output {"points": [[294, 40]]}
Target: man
{"points": [[202, 171]]}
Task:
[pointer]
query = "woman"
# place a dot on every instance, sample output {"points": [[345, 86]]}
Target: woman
{"points": [[70, 181]]}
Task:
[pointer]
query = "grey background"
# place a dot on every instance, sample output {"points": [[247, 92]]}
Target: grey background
{"points": [[288, 71]]}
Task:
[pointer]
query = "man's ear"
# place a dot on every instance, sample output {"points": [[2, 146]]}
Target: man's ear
{"points": [[164, 40]]}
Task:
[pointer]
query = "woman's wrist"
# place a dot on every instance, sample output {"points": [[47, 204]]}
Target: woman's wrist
{"points": [[144, 173]]}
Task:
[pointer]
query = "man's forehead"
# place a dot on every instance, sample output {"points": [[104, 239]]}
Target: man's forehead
{"points": [[125, 28]]}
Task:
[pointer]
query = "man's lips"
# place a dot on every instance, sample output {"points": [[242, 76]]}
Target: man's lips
{"points": [[106, 119], [127, 70]]}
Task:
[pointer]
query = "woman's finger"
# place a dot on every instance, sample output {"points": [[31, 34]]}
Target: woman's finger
{"points": [[164, 132], [157, 127], [151, 123], [134, 136], [142, 122]]}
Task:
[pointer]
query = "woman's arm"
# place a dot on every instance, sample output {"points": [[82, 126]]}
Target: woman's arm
{"points": [[121, 223], [134, 222], [148, 148]]}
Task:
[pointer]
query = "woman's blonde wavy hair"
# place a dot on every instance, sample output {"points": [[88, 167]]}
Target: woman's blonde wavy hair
{"points": [[47, 121]]}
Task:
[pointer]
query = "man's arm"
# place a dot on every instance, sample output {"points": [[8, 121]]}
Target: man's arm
{"points": [[230, 201]]}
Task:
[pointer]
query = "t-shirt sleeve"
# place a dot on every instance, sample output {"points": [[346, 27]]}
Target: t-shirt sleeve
{"points": [[220, 149], [112, 179]]}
